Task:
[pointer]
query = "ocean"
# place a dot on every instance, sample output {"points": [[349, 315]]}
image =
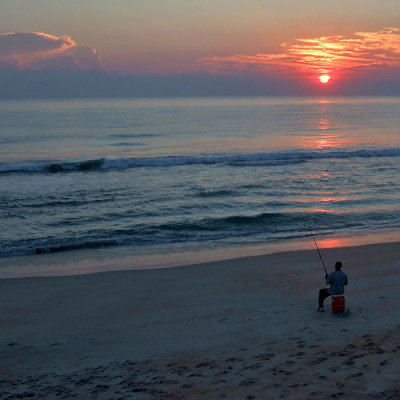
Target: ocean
{"points": [[160, 175]]}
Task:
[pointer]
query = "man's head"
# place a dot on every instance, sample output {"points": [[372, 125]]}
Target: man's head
{"points": [[338, 266]]}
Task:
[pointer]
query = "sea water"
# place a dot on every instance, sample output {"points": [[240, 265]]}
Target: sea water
{"points": [[158, 174]]}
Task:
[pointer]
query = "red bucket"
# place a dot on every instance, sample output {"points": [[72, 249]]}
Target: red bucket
{"points": [[338, 304]]}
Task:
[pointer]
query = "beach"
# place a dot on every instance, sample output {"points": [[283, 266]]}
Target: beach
{"points": [[176, 181], [245, 328]]}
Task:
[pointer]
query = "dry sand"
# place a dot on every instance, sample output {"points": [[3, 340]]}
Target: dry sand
{"points": [[239, 329]]}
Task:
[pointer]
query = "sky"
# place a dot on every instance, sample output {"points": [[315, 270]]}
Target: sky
{"points": [[225, 46]]}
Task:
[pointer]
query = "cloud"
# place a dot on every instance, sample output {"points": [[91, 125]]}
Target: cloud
{"points": [[38, 50], [361, 51], [86, 57]]}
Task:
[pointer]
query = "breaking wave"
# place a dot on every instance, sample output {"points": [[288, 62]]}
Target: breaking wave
{"points": [[229, 229], [235, 160]]}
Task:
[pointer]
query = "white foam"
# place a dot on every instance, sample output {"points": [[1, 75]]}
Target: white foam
{"points": [[239, 159]]}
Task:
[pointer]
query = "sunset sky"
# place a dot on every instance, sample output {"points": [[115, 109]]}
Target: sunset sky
{"points": [[280, 40]]}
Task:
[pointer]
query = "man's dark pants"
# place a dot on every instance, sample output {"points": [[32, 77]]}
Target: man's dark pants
{"points": [[323, 294]]}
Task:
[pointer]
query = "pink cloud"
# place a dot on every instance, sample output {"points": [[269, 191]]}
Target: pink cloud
{"points": [[38, 50], [318, 55]]}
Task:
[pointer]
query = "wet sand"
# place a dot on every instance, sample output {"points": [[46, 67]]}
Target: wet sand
{"points": [[240, 329]]}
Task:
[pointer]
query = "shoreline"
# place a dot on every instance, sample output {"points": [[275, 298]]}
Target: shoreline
{"points": [[230, 328], [88, 261]]}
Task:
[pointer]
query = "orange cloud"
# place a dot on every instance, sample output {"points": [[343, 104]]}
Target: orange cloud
{"points": [[38, 50], [320, 55]]}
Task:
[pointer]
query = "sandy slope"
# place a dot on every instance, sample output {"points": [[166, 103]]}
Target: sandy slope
{"points": [[240, 329]]}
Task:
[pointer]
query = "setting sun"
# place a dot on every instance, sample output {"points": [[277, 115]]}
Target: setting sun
{"points": [[324, 78]]}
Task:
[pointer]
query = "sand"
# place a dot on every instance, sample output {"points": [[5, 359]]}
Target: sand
{"points": [[245, 328]]}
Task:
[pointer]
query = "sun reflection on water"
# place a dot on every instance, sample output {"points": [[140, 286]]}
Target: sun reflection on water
{"points": [[322, 134], [322, 210], [332, 199], [324, 124]]}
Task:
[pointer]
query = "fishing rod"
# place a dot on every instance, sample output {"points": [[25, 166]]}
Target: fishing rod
{"points": [[320, 256]]}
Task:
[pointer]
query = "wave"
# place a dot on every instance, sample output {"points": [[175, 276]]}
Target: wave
{"points": [[95, 244], [236, 160], [229, 229], [215, 193], [263, 222], [41, 248]]}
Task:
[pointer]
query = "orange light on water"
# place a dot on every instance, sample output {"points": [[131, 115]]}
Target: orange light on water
{"points": [[324, 78], [322, 210], [331, 199], [331, 242]]}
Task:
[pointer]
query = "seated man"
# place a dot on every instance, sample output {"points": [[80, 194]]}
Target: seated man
{"points": [[337, 280]]}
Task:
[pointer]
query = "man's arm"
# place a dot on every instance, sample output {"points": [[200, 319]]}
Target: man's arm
{"points": [[327, 279]]}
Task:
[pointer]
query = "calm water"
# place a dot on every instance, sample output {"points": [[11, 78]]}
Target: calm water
{"points": [[151, 173]]}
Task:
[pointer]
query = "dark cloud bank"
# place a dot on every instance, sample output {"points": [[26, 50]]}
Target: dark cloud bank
{"points": [[81, 84], [45, 84]]}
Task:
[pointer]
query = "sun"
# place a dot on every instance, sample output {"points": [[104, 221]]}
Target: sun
{"points": [[324, 78]]}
